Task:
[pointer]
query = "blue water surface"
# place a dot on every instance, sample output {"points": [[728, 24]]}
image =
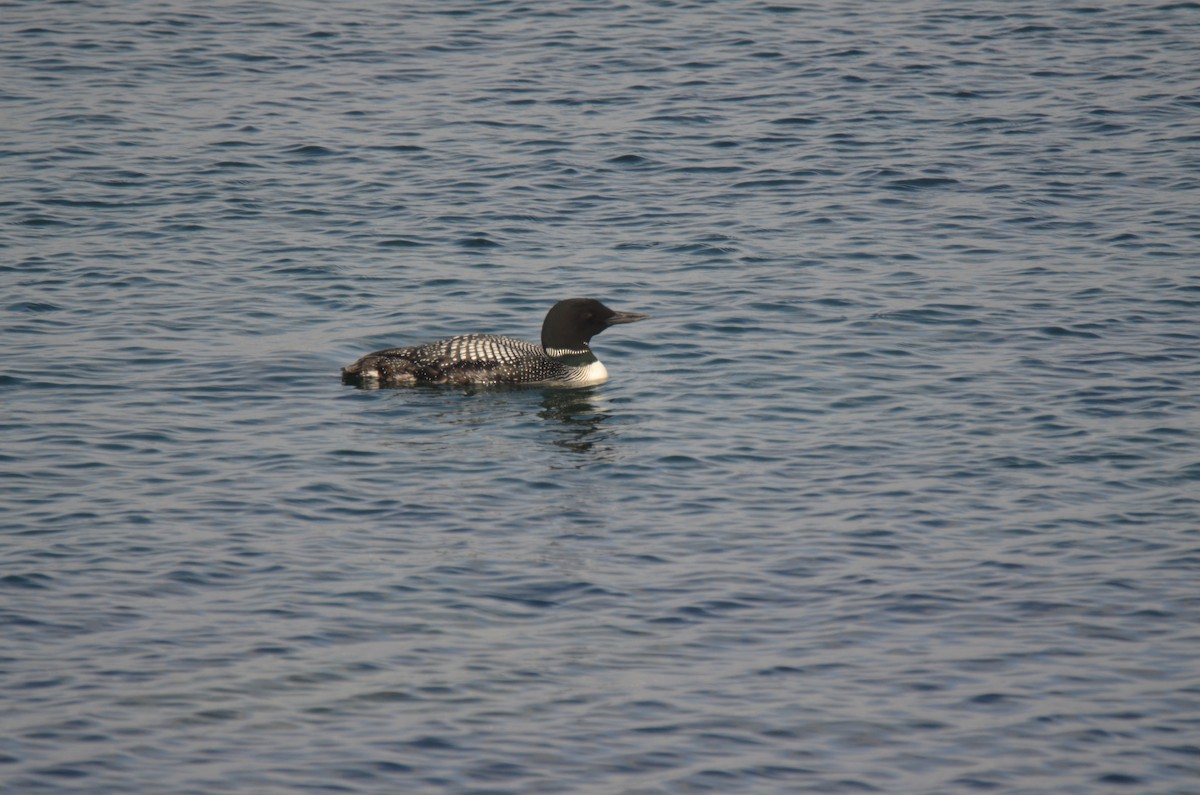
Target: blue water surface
{"points": [[899, 491]]}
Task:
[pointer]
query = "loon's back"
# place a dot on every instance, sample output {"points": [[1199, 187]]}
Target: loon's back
{"points": [[470, 359]]}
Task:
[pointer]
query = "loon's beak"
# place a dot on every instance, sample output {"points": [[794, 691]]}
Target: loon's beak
{"points": [[625, 317]]}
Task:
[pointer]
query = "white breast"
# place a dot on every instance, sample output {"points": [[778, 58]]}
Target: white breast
{"points": [[594, 373]]}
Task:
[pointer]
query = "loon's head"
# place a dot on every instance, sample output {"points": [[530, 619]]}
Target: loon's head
{"points": [[571, 324]]}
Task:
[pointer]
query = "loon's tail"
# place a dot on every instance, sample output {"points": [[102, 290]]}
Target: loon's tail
{"points": [[376, 369]]}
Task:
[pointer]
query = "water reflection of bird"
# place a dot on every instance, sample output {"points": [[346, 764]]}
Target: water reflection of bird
{"points": [[580, 417]]}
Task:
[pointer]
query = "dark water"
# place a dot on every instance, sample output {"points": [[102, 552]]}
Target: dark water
{"points": [[898, 492]]}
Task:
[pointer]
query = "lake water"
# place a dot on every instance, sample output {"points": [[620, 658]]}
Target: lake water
{"points": [[898, 491]]}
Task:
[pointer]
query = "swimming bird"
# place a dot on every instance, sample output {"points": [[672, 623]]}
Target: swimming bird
{"points": [[564, 358]]}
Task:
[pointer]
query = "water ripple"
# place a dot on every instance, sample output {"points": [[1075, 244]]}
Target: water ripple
{"points": [[894, 493]]}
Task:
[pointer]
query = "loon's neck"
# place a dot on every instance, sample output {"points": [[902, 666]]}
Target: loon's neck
{"points": [[580, 356]]}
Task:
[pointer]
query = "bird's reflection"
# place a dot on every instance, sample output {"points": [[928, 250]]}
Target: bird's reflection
{"points": [[575, 416], [572, 420], [581, 417]]}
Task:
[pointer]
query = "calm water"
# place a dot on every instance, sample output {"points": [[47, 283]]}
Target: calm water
{"points": [[898, 492]]}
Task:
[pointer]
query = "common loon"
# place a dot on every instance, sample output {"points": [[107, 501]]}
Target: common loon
{"points": [[563, 359]]}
